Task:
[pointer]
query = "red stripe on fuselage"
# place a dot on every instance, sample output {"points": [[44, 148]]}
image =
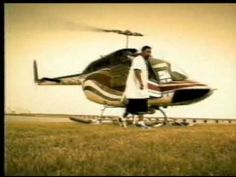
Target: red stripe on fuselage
{"points": [[153, 87], [173, 85]]}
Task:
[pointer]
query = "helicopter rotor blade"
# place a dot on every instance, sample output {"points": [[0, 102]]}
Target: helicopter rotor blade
{"points": [[126, 32], [96, 29], [81, 26]]}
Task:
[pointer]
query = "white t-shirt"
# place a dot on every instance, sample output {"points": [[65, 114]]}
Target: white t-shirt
{"points": [[132, 89]]}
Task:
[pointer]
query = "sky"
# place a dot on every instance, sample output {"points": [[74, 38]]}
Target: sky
{"points": [[200, 38]]}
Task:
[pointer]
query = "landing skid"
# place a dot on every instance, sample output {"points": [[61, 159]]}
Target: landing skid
{"points": [[95, 120], [102, 120], [167, 122]]}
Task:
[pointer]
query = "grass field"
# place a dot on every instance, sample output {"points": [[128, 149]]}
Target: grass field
{"points": [[70, 148]]}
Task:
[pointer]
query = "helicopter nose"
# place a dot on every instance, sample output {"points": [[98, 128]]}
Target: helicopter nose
{"points": [[191, 95]]}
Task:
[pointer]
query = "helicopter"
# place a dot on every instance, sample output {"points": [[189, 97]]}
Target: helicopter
{"points": [[103, 81]]}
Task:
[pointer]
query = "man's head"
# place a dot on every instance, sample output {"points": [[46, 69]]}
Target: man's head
{"points": [[146, 51]]}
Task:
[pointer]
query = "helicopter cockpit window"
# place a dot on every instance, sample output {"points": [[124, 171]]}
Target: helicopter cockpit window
{"points": [[101, 64], [177, 74], [115, 59], [167, 72]]}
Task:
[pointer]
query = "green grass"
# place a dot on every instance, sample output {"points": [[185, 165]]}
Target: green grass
{"points": [[38, 148]]}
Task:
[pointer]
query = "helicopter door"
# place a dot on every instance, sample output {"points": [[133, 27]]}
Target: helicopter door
{"points": [[153, 82], [118, 76]]}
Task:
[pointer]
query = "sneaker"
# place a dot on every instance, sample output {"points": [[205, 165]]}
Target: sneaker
{"points": [[134, 121], [122, 122], [142, 125], [158, 125]]}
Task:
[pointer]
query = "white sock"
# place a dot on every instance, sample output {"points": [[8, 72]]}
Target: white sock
{"points": [[140, 122]]}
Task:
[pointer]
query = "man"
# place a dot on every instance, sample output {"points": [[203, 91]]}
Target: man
{"points": [[136, 90]]}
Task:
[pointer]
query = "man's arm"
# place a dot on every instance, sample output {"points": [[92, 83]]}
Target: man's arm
{"points": [[138, 76]]}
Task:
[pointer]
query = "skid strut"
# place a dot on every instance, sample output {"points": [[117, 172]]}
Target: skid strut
{"points": [[164, 114], [102, 112]]}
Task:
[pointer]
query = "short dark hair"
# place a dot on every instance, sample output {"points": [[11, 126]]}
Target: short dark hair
{"points": [[145, 47]]}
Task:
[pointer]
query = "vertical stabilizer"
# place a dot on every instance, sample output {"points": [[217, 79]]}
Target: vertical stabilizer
{"points": [[36, 79]]}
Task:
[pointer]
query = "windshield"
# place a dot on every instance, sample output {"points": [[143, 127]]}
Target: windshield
{"points": [[167, 72]]}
